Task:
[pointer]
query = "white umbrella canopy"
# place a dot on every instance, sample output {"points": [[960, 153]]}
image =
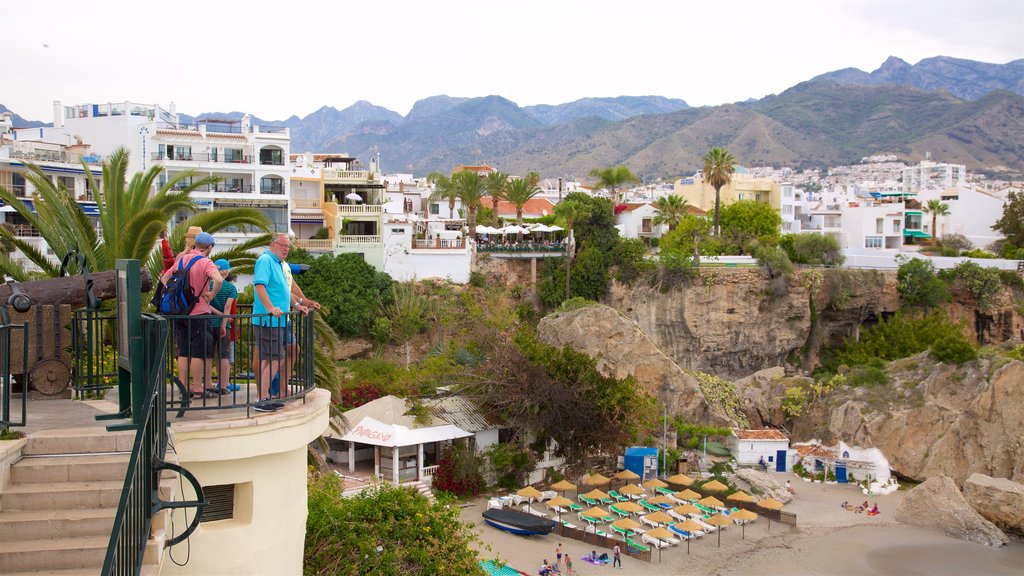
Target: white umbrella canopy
{"points": [[513, 229], [353, 196], [555, 228], [540, 228], [487, 230]]}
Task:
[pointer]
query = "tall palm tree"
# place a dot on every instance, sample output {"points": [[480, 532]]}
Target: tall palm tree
{"points": [[671, 210], [719, 166], [519, 192], [496, 182], [470, 188], [132, 215], [936, 208], [612, 178], [570, 211], [444, 189]]}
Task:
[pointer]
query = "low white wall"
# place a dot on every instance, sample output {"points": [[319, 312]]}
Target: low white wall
{"points": [[887, 261]]}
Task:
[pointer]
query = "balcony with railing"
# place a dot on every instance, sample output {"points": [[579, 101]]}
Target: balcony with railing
{"points": [[360, 209], [439, 244], [218, 187], [314, 244], [341, 176], [308, 203], [523, 249], [359, 239], [200, 157]]}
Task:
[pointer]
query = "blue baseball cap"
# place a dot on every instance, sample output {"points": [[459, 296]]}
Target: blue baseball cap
{"points": [[204, 238], [223, 264]]}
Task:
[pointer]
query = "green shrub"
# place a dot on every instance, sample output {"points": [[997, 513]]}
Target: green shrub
{"points": [[898, 337], [1011, 279], [350, 290], [589, 275], [867, 377], [983, 283], [813, 249], [477, 279], [978, 253], [954, 349], [957, 242], [575, 303], [775, 260], [949, 252], [918, 285], [380, 330]]}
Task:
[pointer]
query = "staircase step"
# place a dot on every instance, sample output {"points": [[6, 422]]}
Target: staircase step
{"points": [[51, 554], [82, 468], [69, 572], [61, 495], [78, 441], [42, 524]]}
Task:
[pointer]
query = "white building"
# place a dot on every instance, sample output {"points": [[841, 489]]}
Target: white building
{"points": [[930, 175], [750, 447], [972, 212], [636, 220]]}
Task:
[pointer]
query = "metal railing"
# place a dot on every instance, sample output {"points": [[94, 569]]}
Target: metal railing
{"points": [[201, 157], [7, 331], [140, 501], [360, 209], [271, 189], [363, 239], [319, 245], [523, 247], [92, 345], [234, 188], [438, 243]]}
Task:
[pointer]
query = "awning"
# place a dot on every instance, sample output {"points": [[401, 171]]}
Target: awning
{"points": [[915, 234], [90, 209], [4, 207], [376, 433], [918, 212]]}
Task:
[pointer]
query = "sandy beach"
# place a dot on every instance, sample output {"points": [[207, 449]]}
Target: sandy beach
{"points": [[826, 541]]}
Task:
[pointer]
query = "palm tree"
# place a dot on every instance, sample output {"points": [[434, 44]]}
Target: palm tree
{"points": [[936, 208], [570, 211], [444, 189], [612, 178], [496, 182], [671, 210], [719, 166], [519, 192], [132, 215], [470, 188]]}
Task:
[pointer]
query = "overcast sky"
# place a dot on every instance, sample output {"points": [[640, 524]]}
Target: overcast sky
{"points": [[275, 59]]}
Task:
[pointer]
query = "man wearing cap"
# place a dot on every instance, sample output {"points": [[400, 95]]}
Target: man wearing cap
{"points": [[193, 336], [221, 305]]}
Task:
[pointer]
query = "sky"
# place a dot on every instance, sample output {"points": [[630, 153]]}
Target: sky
{"points": [[277, 59]]}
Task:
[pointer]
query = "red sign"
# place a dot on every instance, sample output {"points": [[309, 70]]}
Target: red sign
{"points": [[371, 434]]}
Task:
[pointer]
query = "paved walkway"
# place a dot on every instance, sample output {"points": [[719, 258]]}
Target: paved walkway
{"points": [[57, 414]]}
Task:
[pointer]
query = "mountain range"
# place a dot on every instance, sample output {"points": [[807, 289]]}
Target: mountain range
{"points": [[958, 110]]}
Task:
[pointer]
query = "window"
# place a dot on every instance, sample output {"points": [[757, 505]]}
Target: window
{"points": [[873, 242], [213, 154], [879, 225], [272, 156], [233, 155], [787, 209], [645, 226], [896, 226], [435, 208], [398, 230], [271, 185]]}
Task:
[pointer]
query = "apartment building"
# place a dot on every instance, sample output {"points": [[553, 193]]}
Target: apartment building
{"points": [[743, 186], [928, 175]]}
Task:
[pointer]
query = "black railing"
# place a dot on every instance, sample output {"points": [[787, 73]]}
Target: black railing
{"points": [[201, 157], [279, 189], [236, 188], [7, 331], [140, 501], [533, 247], [93, 334]]}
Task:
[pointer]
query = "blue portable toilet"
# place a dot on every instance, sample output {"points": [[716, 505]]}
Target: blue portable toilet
{"points": [[642, 461]]}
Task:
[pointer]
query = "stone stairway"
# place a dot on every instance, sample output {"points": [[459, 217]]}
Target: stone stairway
{"points": [[423, 488], [58, 505]]}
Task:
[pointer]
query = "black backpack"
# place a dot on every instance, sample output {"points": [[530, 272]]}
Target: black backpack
{"points": [[178, 298]]}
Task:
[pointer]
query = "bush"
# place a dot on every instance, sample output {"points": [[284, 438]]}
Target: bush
{"points": [[477, 279], [813, 249], [589, 275], [978, 253], [901, 336], [510, 463], [957, 242], [775, 260], [867, 376], [458, 471], [983, 283], [1011, 279], [628, 256], [349, 289], [954, 349], [918, 285]]}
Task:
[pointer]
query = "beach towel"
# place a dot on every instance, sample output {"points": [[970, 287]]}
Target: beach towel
{"points": [[596, 561]]}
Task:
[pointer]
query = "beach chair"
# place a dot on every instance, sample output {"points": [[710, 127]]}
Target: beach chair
{"points": [[607, 519], [587, 501], [622, 513], [595, 530], [622, 531], [707, 527], [607, 501], [664, 491], [588, 519], [648, 505], [630, 542], [652, 541], [677, 515], [684, 534], [576, 507], [547, 495], [617, 496], [568, 524], [649, 522]]}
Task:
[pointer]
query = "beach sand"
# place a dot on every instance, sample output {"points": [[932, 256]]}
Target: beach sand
{"points": [[826, 541]]}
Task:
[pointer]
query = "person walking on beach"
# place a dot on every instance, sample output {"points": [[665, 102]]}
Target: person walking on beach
{"points": [[617, 553], [558, 554], [568, 565]]}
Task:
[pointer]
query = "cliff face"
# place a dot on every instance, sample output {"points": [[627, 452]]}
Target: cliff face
{"points": [[733, 322]]}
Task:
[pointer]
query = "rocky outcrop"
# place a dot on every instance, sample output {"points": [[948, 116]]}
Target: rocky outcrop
{"points": [[938, 504], [622, 350], [733, 322], [935, 419], [767, 484], [351, 348], [999, 500]]}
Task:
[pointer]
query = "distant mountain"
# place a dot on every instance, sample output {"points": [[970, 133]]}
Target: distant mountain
{"points": [[618, 108], [966, 79], [432, 106], [19, 122]]}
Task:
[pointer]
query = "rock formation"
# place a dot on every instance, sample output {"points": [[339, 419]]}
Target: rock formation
{"points": [[999, 500], [622, 349], [765, 482], [954, 421], [938, 504]]}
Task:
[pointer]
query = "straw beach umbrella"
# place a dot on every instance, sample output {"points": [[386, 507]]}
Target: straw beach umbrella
{"points": [[715, 486], [559, 502], [631, 507], [627, 524], [658, 500], [770, 504], [691, 527], [654, 483], [631, 490], [627, 475], [719, 520], [660, 517], [596, 480], [661, 534], [596, 494], [687, 509], [740, 496], [687, 495], [711, 502], [745, 516], [563, 486], [530, 493], [680, 479]]}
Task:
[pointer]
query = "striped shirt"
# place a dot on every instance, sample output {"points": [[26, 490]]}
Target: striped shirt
{"points": [[227, 291]]}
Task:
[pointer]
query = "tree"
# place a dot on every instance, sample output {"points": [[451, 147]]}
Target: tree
{"points": [[570, 211], [747, 220], [597, 227], [408, 313], [444, 189], [496, 183], [612, 178], [812, 248], [719, 166], [936, 208], [132, 215], [687, 236], [1011, 223], [470, 188], [519, 192], [671, 210], [350, 290]]}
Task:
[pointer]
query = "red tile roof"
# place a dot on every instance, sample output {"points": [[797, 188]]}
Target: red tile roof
{"points": [[766, 434], [532, 206], [815, 450], [481, 169], [630, 206]]}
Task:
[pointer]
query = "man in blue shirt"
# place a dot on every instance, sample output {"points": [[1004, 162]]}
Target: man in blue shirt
{"points": [[273, 301]]}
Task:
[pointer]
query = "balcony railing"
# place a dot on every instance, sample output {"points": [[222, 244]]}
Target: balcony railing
{"points": [[264, 189], [314, 244], [306, 203], [226, 374], [438, 243], [200, 157], [523, 247], [360, 209], [235, 189], [26, 231], [366, 239], [335, 174]]}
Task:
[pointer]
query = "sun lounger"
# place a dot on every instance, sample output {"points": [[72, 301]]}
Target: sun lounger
{"points": [[547, 495], [664, 491], [575, 507], [529, 510], [622, 531], [707, 527], [568, 524], [588, 519], [637, 545], [595, 530], [617, 496], [649, 522], [649, 506], [586, 500], [622, 513], [684, 534], [653, 541], [607, 501], [677, 515]]}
